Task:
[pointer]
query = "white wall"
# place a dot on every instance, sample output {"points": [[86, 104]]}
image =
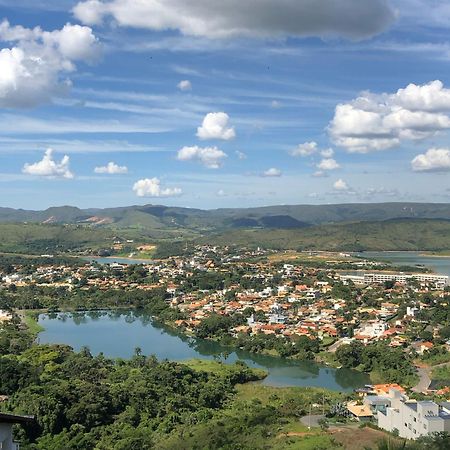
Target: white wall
{"points": [[6, 436]]}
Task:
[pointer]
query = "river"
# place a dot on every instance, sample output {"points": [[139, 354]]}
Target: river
{"points": [[118, 333]]}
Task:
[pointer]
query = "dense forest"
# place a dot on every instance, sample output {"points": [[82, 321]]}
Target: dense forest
{"points": [[81, 401]]}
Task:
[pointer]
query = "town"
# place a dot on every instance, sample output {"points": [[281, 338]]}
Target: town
{"points": [[339, 309]]}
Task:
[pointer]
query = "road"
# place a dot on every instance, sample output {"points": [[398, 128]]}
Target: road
{"points": [[424, 381], [333, 347], [425, 377]]}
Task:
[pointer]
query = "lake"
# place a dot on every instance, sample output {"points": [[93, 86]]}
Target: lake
{"points": [[118, 333], [439, 264]]}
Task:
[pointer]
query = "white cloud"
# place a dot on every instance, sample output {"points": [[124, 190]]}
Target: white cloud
{"points": [[340, 185], [151, 187], [48, 167], [241, 155], [272, 172], [184, 85], [215, 126], [434, 160], [221, 193], [320, 174], [111, 169], [327, 153], [379, 122], [90, 11], [328, 164], [32, 70], [275, 104], [211, 157], [305, 149], [354, 19]]}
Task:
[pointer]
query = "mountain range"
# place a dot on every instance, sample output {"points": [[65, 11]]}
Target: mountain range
{"points": [[268, 217]]}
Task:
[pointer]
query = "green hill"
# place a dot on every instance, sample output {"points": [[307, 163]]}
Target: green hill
{"points": [[396, 234], [159, 217], [40, 239]]}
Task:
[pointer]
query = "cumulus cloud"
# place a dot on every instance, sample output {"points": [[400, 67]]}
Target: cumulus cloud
{"points": [[211, 157], [341, 186], [215, 126], [151, 187], [353, 19], [305, 149], [272, 172], [327, 153], [241, 155], [111, 169], [34, 69], [378, 122], [434, 160], [184, 85], [328, 164], [48, 167]]}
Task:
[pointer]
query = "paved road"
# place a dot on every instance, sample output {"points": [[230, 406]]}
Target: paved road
{"points": [[312, 420], [425, 380], [425, 377], [333, 347]]}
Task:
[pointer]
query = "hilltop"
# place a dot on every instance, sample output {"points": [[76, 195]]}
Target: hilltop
{"points": [[159, 217]]}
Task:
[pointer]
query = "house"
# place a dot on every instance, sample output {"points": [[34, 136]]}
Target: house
{"points": [[412, 419], [421, 347], [362, 413], [6, 424]]}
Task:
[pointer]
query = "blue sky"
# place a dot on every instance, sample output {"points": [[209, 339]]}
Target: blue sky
{"points": [[214, 104]]}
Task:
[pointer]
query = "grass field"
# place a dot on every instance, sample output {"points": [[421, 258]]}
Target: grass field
{"points": [[220, 368], [32, 323]]}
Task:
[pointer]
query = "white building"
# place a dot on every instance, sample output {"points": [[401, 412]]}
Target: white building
{"points": [[6, 435], [439, 281], [372, 329], [412, 419]]}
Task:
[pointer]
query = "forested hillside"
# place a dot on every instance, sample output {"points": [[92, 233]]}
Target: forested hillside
{"points": [[399, 234]]}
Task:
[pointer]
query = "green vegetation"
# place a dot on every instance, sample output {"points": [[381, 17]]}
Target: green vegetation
{"points": [[412, 234], [84, 402], [32, 324], [388, 365], [441, 373], [436, 355], [395, 234], [225, 370], [31, 238]]}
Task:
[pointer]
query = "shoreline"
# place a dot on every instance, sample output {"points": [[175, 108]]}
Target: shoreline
{"points": [[226, 348]]}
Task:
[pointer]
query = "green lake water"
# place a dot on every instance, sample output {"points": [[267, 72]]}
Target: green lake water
{"points": [[117, 334]]}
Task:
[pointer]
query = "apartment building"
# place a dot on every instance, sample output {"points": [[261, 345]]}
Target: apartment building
{"points": [[439, 281], [413, 419]]}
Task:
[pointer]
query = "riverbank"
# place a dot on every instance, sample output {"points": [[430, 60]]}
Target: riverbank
{"points": [[222, 369], [30, 319]]}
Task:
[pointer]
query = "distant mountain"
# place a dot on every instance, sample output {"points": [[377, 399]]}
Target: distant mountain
{"points": [[159, 217]]}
